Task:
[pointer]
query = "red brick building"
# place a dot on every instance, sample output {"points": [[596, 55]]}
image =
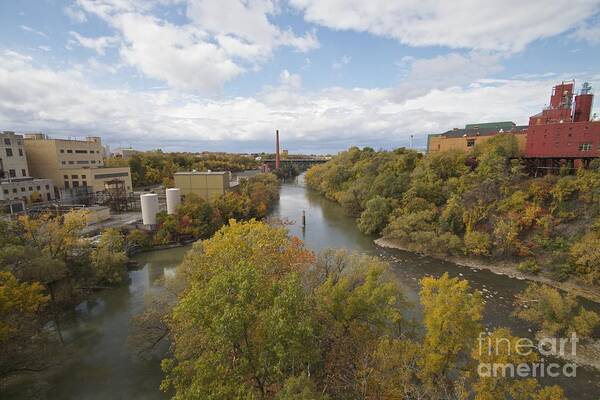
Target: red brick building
{"points": [[563, 134]]}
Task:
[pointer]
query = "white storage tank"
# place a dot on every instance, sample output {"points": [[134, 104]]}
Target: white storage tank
{"points": [[149, 204], [173, 200]]}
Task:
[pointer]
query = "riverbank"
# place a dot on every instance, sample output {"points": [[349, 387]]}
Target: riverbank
{"points": [[505, 268]]}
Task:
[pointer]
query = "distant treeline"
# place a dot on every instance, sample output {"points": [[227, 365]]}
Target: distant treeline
{"points": [[157, 168], [445, 203]]}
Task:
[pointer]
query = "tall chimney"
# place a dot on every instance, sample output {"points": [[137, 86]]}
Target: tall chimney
{"points": [[277, 159]]}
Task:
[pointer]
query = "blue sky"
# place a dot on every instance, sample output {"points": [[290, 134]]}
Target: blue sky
{"points": [[224, 74]]}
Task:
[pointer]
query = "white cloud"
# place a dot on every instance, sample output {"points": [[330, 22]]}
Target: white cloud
{"points": [[98, 44], [292, 81], [421, 75], [221, 40], [75, 14], [588, 32], [341, 63], [503, 25], [183, 57], [64, 102], [30, 29]]}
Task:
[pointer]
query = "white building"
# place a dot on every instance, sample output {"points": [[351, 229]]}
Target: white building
{"points": [[17, 188]]}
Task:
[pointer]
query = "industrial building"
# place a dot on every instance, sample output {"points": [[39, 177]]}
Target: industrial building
{"points": [[206, 185], [17, 187], [465, 139], [124, 152], [73, 164], [564, 134]]}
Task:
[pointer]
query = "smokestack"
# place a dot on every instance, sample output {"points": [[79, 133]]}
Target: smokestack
{"points": [[583, 104], [277, 159]]}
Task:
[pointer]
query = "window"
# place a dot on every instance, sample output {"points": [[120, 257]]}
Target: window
{"points": [[64, 162], [23, 172], [48, 187], [15, 190], [19, 142], [12, 173], [74, 176], [83, 162], [71, 162], [7, 141], [81, 151], [93, 161], [22, 188], [38, 188], [585, 147], [82, 176], [48, 197], [21, 152], [470, 142], [75, 184], [84, 183], [62, 150], [9, 152], [113, 175], [31, 188], [69, 151], [66, 184], [5, 191], [66, 176]]}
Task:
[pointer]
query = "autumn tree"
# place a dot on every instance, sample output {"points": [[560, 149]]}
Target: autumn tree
{"points": [[22, 339], [501, 347], [452, 318], [243, 326], [109, 258], [554, 313]]}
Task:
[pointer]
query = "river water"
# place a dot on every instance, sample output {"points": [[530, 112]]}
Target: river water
{"points": [[105, 367]]}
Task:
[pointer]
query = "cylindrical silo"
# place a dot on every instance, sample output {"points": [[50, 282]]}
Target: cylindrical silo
{"points": [[149, 204], [173, 200]]}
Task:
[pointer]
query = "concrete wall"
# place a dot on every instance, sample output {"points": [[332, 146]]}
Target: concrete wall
{"points": [[204, 185], [97, 214]]}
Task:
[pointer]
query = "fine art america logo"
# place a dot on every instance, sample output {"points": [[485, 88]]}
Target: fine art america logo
{"points": [[500, 352]]}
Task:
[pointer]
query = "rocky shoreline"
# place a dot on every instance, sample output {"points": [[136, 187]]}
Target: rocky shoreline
{"points": [[503, 268]]}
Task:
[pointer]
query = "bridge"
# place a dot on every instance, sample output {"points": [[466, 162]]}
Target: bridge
{"points": [[301, 164]]}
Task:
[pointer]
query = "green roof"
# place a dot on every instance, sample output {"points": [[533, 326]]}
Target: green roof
{"points": [[494, 125]]}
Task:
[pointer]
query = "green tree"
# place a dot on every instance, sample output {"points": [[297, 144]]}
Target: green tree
{"points": [[553, 312], [243, 326], [299, 388], [355, 306], [109, 259], [375, 216]]}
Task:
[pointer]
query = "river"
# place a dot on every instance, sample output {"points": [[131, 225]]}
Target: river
{"points": [[104, 367]]}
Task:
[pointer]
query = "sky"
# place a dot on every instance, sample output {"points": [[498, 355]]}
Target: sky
{"points": [[222, 75]]}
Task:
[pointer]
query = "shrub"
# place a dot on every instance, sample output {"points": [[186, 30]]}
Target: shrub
{"points": [[529, 266], [477, 243]]}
